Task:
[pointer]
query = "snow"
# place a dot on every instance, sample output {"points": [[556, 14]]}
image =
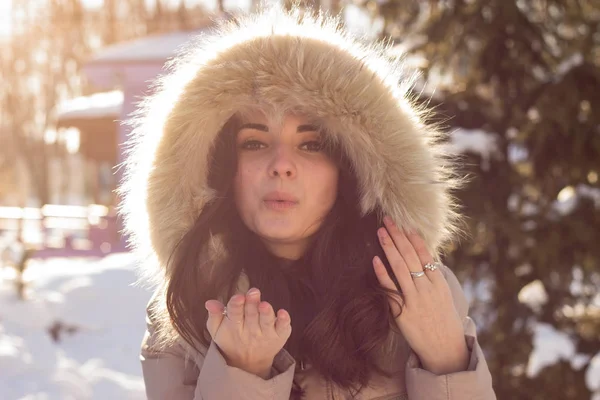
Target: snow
{"points": [[407, 45], [562, 69], [154, 48], [533, 295], [550, 346], [517, 153], [566, 201], [525, 208], [96, 300], [523, 269], [575, 60], [569, 197], [475, 141], [592, 376], [360, 23], [589, 192], [477, 290], [99, 105]]}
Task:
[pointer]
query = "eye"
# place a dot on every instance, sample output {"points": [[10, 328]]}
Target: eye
{"points": [[252, 145], [312, 146]]}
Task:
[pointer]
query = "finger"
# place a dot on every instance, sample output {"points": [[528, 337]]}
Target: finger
{"points": [[404, 246], [251, 310], [385, 281], [235, 308], [215, 316], [283, 325], [266, 317], [396, 261], [419, 246], [424, 256]]}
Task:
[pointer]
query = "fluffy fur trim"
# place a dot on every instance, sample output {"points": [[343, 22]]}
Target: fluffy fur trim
{"points": [[290, 61]]}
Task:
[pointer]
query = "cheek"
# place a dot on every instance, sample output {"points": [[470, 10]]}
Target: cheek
{"points": [[332, 190], [240, 188], [245, 182], [325, 183]]}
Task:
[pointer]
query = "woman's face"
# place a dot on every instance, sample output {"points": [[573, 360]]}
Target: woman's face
{"points": [[285, 183]]}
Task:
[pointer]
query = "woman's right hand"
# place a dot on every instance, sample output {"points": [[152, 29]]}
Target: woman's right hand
{"points": [[250, 335]]}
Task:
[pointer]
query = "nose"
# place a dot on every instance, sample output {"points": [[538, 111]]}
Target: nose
{"points": [[282, 164]]}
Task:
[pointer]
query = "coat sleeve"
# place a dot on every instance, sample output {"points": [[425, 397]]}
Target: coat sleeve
{"points": [[473, 384], [170, 375]]}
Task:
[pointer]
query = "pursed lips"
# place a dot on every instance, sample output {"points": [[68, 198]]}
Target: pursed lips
{"points": [[280, 200]]}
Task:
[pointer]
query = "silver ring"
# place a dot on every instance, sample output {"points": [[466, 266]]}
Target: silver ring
{"points": [[431, 266], [417, 274]]}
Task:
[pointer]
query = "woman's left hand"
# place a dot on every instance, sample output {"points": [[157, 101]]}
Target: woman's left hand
{"points": [[428, 320]]}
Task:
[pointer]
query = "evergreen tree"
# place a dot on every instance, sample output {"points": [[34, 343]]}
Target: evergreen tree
{"points": [[525, 75]]}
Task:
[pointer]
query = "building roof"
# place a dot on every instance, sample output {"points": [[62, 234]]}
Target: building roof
{"points": [[150, 49], [98, 105]]}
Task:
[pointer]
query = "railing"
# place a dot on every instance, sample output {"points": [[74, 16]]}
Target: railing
{"points": [[61, 230]]}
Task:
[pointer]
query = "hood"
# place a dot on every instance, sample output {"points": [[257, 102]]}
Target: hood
{"points": [[303, 62]]}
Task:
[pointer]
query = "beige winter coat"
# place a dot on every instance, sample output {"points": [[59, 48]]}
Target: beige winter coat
{"points": [[308, 65]]}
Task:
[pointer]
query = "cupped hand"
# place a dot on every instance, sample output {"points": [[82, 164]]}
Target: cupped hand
{"points": [[250, 335]]}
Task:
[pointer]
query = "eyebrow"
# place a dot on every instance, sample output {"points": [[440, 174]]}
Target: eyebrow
{"points": [[264, 128], [258, 127], [307, 128]]}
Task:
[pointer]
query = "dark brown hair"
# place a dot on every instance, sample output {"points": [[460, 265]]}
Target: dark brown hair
{"points": [[340, 313]]}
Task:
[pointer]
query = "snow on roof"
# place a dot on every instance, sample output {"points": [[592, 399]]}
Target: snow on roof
{"points": [[98, 105], [155, 48]]}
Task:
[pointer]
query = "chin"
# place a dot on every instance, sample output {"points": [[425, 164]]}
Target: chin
{"points": [[279, 235], [278, 230]]}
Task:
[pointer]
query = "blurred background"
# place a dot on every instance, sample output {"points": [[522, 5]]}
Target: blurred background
{"points": [[515, 83]]}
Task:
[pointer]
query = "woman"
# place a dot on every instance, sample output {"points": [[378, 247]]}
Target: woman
{"points": [[294, 203]]}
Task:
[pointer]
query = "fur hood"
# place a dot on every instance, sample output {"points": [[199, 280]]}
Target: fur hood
{"points": [[296, 61]]}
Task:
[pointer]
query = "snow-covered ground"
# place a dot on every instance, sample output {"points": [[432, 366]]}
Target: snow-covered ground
{"points": [[100, 359]]}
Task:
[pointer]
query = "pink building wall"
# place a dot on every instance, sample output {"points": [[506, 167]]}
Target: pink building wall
{"points": [[132, 67]]}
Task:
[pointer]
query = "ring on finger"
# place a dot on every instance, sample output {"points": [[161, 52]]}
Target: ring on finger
{"points": [[226, 315], [417, 274], [431, 266]]}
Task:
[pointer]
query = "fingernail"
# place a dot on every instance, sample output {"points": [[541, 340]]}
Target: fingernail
{"points": [[282, 316], [239, 298], [253, 292], [388, 220]]}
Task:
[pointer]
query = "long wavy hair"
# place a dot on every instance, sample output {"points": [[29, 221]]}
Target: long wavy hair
{"points": [[340, 313]]}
